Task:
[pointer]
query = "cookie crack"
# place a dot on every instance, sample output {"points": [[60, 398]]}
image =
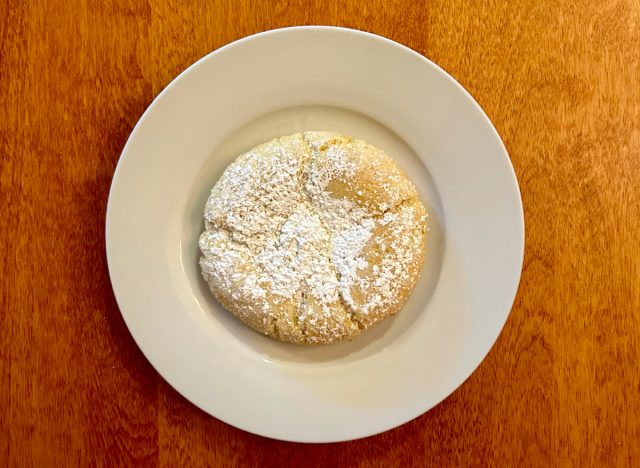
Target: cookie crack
{"points": [[298, 315], [348, 309], [316, 211], [229, 234], [400, 204], [352, 314], [275, 330]]}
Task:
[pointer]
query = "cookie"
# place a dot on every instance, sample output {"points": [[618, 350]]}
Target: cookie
{"points": [[313, 238]]}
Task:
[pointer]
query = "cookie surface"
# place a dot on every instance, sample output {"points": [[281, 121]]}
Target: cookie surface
{"points": [[313, 238]]}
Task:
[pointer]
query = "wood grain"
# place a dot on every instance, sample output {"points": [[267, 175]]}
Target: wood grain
{"points": [[561, 82]]}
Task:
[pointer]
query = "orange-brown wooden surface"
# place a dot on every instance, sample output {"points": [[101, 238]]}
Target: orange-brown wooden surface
{"points": [[559, 79]]}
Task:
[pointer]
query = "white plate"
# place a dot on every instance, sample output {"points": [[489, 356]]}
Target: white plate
{"points": [[281, 82]]}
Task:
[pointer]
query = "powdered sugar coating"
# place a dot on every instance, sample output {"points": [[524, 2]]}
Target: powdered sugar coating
{"points": [[313, 237]]}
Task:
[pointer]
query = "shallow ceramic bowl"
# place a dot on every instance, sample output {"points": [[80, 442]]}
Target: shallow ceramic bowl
{"points": [[277, 83]]}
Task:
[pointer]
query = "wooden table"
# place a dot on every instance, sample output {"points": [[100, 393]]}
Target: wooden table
{"points": [[561, 82]]}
